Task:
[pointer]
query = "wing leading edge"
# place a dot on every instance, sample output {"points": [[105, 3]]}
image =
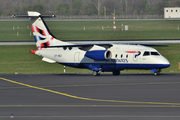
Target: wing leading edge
{"points": [[83, 45], [106, 45]]}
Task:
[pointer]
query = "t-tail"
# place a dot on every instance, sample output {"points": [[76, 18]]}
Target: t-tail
{"points": [[42, 35]]}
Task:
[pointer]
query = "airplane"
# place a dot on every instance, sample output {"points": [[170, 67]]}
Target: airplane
{"points": [[98, 57]]}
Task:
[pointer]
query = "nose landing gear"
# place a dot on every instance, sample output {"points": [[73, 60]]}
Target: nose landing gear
{"points": [[157, 72]]}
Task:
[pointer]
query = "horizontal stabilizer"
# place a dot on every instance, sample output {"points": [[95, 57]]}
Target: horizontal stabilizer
{"points": [[34, 15], [48, 60], [27, 16]]}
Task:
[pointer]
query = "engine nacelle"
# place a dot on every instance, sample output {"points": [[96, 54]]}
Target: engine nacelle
{"points": [[99, 54]]}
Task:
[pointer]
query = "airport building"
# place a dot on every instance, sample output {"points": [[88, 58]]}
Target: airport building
{"points": [[171, 12]]}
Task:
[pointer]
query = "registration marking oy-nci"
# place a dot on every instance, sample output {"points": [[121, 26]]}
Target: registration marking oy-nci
{"points": [[90, 99]]}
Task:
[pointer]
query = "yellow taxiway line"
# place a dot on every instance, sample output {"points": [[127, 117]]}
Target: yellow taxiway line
{"points": [[89, 99]]}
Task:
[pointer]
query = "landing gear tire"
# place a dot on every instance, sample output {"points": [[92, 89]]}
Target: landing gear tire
{"points": [[155, 73], [116, 73], [95, 73]]}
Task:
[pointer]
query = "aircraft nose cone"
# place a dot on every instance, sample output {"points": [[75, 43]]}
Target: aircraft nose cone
{"points": [[166, 63]]}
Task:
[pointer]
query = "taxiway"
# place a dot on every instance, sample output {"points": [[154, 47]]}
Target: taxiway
{"points": [[83, 96]]}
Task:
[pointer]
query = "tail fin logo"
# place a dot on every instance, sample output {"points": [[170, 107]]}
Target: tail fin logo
{"points": [[42, 37], [44, 45], [42, 32]]}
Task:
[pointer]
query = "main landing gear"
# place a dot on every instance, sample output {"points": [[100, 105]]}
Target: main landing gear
{"points": [[96, 73]]}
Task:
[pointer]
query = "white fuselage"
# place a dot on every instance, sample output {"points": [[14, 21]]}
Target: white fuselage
{"points": [[124, 56]]}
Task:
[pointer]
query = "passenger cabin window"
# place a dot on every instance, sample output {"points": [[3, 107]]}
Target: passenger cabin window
{"points": [[155, 53], [70, 48], [146, 53], [64, 48], [121, 55]]}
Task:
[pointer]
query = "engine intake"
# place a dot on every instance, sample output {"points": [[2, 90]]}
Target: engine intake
{"points": [[99, 54]]}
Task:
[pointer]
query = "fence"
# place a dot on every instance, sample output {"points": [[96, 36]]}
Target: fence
{"points": [[103, 17], [111, 17]]}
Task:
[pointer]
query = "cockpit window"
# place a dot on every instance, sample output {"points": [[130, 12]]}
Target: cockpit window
{"points": [[155, 53], [146, 53]]}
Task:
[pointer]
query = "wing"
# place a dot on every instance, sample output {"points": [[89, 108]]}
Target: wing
{"points": [[81, 46], [87, 47], [150, 45]]}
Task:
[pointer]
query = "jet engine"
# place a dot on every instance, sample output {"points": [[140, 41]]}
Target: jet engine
{"points": [[99, 54]]}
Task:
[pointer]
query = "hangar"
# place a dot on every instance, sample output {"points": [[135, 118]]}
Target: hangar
{"points": [[172, 12]]}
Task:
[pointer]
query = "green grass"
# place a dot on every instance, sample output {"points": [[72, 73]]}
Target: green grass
{"points": [[172, 53], [74, 30], [19, 59]]}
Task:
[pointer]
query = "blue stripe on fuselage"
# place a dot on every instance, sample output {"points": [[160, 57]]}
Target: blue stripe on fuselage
{"points": [[113, 66]]}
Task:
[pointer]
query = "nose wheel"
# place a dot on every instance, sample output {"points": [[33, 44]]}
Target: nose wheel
{"points": [[157, 72]]}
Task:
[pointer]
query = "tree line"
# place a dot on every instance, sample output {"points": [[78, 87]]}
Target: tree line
{"points": [[87, 7]]}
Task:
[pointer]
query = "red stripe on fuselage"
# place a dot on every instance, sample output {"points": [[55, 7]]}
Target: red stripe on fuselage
{"points": [[132, 51]]}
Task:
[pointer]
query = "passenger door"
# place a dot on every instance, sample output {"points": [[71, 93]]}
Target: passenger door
{"points": [[76, 58]]}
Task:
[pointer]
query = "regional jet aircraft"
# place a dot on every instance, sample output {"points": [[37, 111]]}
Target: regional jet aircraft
{"points": [[95, 57]]}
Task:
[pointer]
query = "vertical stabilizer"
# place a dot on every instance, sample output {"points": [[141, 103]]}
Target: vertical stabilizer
{"points": [[42, 35]]}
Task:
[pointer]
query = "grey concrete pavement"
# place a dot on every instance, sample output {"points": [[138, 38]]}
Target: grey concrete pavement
{"points": [[83, 96]]}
